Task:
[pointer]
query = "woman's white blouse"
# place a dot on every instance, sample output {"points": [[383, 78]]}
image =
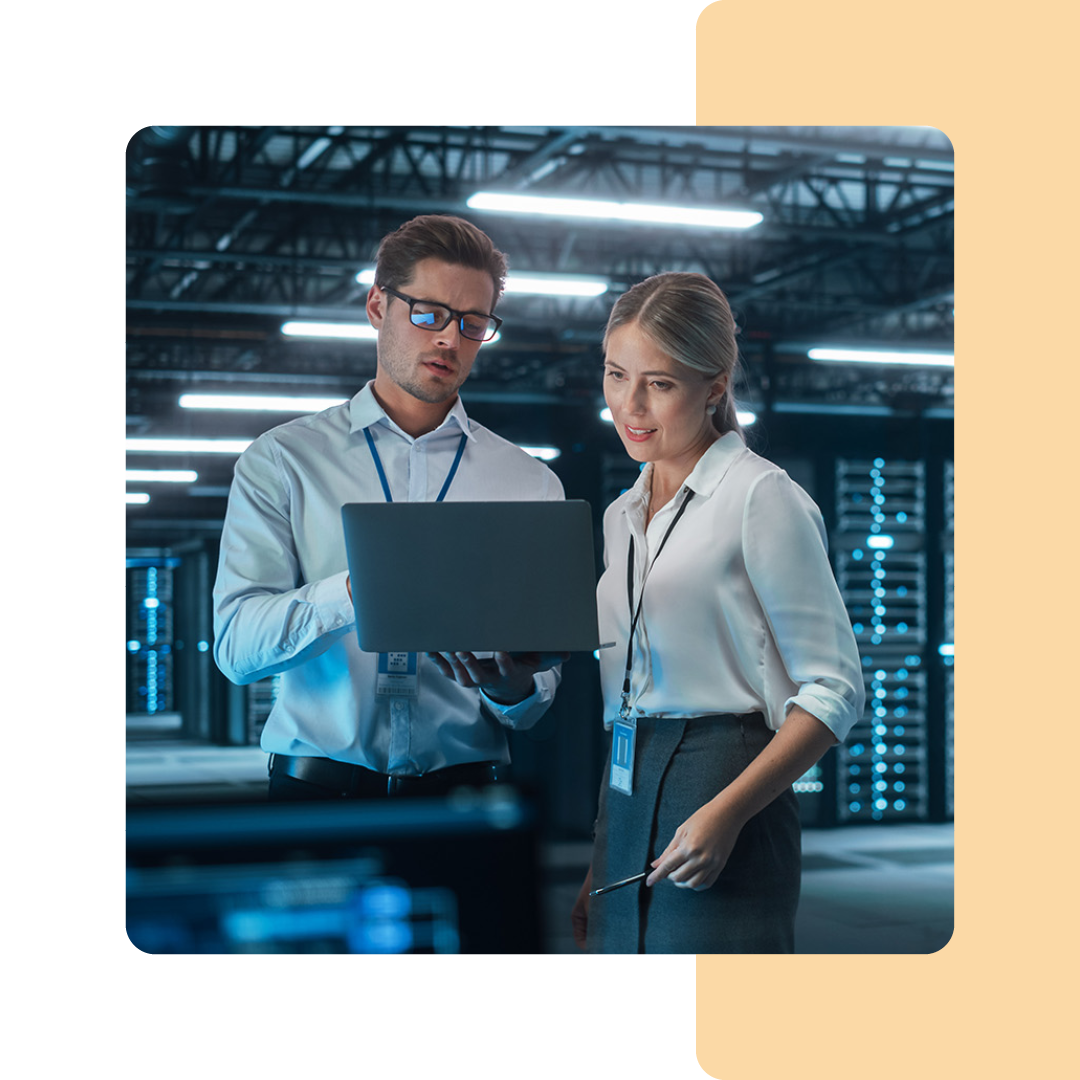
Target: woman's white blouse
{"points": [[741, 612]]}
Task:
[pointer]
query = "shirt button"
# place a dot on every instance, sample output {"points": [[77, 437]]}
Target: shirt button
{"points": [[289, 646]]}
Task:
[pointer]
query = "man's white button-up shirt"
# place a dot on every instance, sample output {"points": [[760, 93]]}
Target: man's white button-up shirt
{"points": [[281, 603]]}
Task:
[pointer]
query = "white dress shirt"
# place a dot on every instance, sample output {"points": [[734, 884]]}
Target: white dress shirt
{"points": [[741, 612], [281, 604]]}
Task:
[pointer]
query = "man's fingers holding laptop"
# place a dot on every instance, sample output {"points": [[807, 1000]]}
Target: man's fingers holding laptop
{"points": [[506, 678]]}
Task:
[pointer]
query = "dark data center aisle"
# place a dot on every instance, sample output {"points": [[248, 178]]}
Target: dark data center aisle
{"points": [[866, 888]]}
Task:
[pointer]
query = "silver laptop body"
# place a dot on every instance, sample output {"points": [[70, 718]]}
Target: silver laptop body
{"points": [[472, 576]]}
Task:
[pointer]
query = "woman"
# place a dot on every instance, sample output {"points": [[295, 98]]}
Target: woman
{"points": [[735, 667]]}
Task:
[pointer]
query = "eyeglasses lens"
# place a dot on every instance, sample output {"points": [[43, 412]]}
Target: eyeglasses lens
{"points": [[479, 329], [434, 317]]}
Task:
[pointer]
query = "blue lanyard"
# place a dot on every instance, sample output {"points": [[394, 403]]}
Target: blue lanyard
{"points": [[382, 474]]}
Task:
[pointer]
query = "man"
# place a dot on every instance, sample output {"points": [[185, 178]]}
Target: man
{"points": [[282, 601]]}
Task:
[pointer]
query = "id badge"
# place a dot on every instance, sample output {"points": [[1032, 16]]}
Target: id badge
{"points": [[397, 674], [623, 738]]}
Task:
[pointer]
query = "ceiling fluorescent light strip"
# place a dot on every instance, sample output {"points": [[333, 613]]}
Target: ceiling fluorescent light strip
{"points": [[555, 285], [161, 476], [259, 402], [599, 210], [544, 453], [303, 328], [875, 356], [343, 330], [238, 446], [539, 284], [186, 446]]}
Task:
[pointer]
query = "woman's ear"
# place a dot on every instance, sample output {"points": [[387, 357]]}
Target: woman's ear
{"points": [[717, 391]]}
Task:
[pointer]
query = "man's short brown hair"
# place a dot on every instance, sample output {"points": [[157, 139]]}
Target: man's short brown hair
{"points": [[438, 236]]}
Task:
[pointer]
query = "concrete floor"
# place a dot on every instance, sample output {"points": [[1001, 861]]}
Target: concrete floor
{"points": [[865, 888]]}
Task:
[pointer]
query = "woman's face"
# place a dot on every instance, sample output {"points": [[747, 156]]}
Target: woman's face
{"points": [[658, 405]]}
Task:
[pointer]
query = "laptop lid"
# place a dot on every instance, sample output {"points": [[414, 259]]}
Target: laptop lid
{"points": [[472, 576]]}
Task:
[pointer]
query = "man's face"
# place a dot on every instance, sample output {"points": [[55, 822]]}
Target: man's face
{"points": [[428, 365]]}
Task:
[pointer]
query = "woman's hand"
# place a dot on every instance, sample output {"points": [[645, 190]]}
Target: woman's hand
{"points": [[699, 850], [702, 844], [579, 917]]}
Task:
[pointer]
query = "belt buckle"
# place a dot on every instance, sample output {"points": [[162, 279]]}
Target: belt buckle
{"points": [[396, 785]]}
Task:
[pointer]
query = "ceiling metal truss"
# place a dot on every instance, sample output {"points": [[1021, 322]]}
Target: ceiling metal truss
{"points": [[268, 222]]}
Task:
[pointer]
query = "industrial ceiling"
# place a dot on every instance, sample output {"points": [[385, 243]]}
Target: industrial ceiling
{"points": [[233, 231]]}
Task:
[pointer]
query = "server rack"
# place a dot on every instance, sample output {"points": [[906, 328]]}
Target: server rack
{"points": [[150, 625], [880, 543], [173, 685]]}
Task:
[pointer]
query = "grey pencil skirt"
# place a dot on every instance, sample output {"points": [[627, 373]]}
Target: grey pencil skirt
{"points": [[680, 765]]}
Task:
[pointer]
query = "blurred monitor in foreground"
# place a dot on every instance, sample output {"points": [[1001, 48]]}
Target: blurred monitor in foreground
{"points": [[454, 875]]}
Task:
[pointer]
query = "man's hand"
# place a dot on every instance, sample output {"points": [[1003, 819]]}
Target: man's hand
{"points": [[506, 678]]}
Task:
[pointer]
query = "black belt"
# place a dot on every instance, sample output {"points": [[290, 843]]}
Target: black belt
{"points": [[354, 781]]}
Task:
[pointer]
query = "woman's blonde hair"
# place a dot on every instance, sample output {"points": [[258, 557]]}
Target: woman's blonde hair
{"points": [[687, 317]]}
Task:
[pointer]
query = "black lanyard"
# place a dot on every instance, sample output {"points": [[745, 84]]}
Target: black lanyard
{"points": [[624, 710]]}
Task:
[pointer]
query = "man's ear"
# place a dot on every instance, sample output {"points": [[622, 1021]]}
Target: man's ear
{"points": [[376, 306]]}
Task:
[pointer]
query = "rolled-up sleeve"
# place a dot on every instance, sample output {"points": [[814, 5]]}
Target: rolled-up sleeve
{"points": [[265, 619], [785, 548]]}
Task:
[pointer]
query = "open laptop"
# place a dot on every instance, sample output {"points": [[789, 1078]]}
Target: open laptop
{"points": [[472, 576]]}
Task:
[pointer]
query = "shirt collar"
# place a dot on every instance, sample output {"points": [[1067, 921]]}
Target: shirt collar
{"points": [[714, 463], [365, 411], [703, 478]]}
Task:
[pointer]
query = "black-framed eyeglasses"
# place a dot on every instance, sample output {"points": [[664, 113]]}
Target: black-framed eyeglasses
{"points": [[431, 315]]}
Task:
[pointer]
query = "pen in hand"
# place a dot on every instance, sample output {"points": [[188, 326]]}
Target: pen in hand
{"points": [[619, 884]]}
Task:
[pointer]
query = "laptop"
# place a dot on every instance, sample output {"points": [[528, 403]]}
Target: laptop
{"points": [[472, 576]]}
